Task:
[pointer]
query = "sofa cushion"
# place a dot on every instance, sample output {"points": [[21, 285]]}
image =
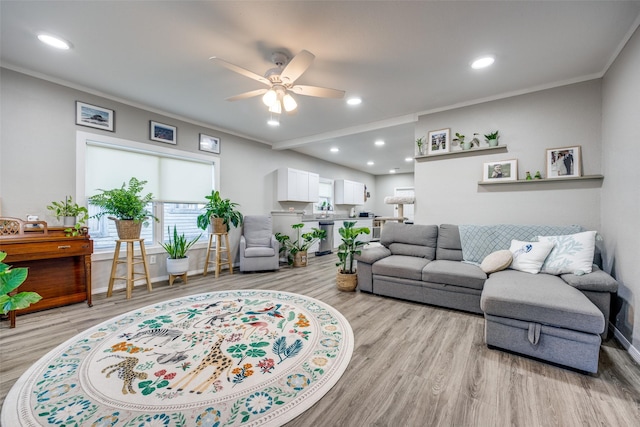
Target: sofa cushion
{"points": [[496, 261], [259, 251], [372, 254], [410, 239], [449, 246], [543, 299], [454, 273], [529, 256], [408, 267], [572, 253], [597, 281]]}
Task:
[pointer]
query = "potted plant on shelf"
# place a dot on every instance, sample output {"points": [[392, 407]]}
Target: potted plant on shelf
{"points": [[219, 212], [296, 250], [73, 215], [420, 144], [466, 145], [346, 277], [492, 138], [126, 206], [178, 261], [10, 280]]}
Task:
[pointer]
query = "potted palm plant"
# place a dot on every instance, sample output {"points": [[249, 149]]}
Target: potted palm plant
{"points": [[492, 138], [74, 216], [10, 279], [346, 278], [126, 206], [296, 250], [219, 212], [178, 261]]}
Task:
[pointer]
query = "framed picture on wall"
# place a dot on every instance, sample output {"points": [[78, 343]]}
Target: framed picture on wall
{"points": [[503, 170], [439, 141], [564, 162], [210, 144], [94, 116], [163, 133]]}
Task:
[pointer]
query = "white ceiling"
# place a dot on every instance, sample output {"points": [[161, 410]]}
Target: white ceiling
{"points": [[402, 58]]}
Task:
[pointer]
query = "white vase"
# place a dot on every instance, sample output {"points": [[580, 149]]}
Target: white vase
{"points": [[492, 142], [177, 266]]}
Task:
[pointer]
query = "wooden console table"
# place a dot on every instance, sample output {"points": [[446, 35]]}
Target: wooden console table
{"points": [[59, 266]]}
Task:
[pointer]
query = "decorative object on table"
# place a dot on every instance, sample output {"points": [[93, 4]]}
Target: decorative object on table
{"points": [[73, 215], [126, 206], [10, 280], [163, 133], [564, 162], [438, 141], [504, 170], [210, 144], [420, 144], [296, 250], [528, 176], [252, 357], [538, 175], [94, 116], [178, 261], [219, 212], [492, 138], [346, 277]]}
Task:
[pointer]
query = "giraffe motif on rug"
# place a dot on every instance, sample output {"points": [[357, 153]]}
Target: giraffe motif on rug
{"points": [[215, 358]]}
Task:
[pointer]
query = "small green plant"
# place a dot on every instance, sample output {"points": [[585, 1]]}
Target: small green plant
{"points": [[178, 246], [350, 246], [124, 203], [70, 208], [10, 279], [302, 243], [492, 135], [217, 207], [459, 138], [420, 143]]}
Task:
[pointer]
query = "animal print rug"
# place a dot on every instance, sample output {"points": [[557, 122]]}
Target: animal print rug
{"points": [[215, 359]]}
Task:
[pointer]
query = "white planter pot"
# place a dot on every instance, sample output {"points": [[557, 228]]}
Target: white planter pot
{"points": [[68, 221], [177, 266]]}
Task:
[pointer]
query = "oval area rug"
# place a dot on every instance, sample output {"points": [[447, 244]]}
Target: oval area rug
{"points": [[217, 359]]}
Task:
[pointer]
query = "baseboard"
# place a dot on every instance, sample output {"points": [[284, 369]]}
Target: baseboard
{"points": [[624, 342]]}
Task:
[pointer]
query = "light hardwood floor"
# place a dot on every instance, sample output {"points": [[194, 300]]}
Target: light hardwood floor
{"points": [[413, 364]]}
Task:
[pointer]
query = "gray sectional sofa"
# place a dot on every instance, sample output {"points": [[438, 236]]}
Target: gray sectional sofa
{"points": [[557, 318]]}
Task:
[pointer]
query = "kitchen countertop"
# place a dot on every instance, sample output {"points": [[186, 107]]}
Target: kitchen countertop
{"points": [[313, 218]]}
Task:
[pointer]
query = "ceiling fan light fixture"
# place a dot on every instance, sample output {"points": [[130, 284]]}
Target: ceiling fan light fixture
{"points": [[276, 108], [290, 104], [269, 97]]}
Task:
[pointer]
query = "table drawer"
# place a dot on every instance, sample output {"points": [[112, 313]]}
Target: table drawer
{"points": [[52, 249]]}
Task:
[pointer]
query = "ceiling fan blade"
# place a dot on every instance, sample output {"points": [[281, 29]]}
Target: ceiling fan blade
{"points": [[320, 92], [248, 94], [297, 66], [241, 70]]}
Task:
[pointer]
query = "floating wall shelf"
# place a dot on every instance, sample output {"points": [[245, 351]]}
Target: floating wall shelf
{"points": [[462, 153], [545, 181]]}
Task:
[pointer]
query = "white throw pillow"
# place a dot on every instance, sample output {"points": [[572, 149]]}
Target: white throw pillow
{"points": [[573, 253], [529, 256], [496, 261]]}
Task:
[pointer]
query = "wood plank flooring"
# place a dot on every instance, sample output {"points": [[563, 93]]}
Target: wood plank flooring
{"points": [[413, 364]]}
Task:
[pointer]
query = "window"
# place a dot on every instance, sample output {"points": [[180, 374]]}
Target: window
{"points": [[325, 191], [178, 180]]}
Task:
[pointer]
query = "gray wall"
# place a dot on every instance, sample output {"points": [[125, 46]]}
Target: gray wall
{"points": [[621, 190], [385, 186], [447, 189]]}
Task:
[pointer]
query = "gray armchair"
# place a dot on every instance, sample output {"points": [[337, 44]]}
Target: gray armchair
{"points": [[258, 246]]}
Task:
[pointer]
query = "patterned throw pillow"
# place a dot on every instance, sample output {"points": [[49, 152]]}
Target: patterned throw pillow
{"points": [[573, 253], [529, 256], [496, 261]]}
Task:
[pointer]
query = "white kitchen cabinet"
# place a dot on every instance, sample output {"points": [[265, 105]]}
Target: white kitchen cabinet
{"points": [[298, 186], [348, 192]]}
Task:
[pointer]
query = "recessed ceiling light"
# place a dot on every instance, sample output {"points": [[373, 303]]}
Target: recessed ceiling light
{"points": [[354, 100], [379, 143], [408, 159], [273, 122], [54, 41], [370, 163], [483, 62], [392, 171], [334, 149]]}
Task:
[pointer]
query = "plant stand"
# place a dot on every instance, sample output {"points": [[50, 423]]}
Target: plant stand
{"points": [[173, 277], [131, 261], [218, 249]]}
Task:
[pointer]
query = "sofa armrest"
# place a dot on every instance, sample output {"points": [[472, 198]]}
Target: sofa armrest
{"points": [[243, 244], [596, 281], [371, 255]]}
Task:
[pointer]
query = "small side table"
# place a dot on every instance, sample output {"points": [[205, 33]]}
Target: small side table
{"points": [[131, 261], [219, 249]]}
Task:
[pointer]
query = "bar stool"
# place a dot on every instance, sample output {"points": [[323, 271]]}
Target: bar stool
{"points": [[219, 261], [131, 261]]}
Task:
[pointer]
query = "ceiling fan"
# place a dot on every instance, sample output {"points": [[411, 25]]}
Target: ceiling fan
{"points": [[281, 82]]}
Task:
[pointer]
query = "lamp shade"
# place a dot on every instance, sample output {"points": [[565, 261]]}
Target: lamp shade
{"points": [[289, 103], [269, 97], [276, 107]]}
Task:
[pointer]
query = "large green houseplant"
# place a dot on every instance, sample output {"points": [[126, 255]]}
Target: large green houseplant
{"points": [[296, 250], [73, 215], [126, 205], [346, 278], [10, 279], [224, 210]]}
